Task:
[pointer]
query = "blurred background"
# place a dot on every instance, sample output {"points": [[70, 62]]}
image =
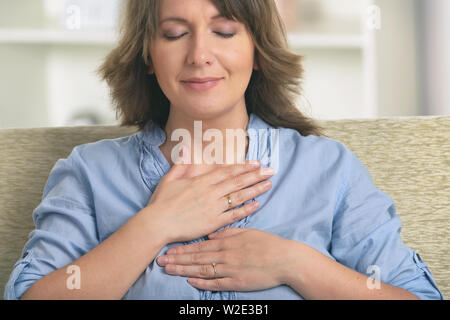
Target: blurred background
{"points": [[363, 59]]}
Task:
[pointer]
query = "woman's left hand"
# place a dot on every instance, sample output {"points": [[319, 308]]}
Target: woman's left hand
{"points": [[246, 260]]}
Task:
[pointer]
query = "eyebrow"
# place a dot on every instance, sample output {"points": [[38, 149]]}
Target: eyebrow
{"points": [[178, 19]]}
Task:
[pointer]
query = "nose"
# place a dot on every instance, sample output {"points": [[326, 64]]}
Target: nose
{"points": [[199, 52]]}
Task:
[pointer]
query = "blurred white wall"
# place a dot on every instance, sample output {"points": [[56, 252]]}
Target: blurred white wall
{"points": [[397, 69], [435, 56], [23, 96], [73, 86]]}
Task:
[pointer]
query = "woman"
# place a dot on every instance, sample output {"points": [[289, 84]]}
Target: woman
{"points": [[321, 228]]}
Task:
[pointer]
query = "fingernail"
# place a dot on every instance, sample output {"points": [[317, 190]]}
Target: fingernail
{"points": [[162, 260], [267, 171], [254, 163]]}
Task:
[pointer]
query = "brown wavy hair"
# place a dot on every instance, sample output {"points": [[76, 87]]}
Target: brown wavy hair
{"points": [[272, 90]]}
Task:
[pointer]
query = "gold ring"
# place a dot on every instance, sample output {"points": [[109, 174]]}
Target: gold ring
{"points": [[229, 202], [214, 267]]}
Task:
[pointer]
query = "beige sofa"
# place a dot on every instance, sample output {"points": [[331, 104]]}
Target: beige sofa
{"points": [[408, 157]]}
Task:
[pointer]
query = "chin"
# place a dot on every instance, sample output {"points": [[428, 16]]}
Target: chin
{"points": [[206, 112]]}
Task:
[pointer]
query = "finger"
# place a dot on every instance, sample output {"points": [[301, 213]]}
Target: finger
{"points": [[190, 258], [218, 284], [227, 232], [244, 195], [176, 172], [203, 246], [225, 172], [245, 182], [205, 271], [234, 215]]}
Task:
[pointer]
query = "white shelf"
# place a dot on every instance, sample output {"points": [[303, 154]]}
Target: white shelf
{"points": [[36, 36]]}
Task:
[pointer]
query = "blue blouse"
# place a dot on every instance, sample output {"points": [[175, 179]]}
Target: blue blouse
{"points": [[321, 195]]}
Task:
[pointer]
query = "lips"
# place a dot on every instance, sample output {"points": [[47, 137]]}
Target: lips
{"points": [[202, 80], [201, 84]]}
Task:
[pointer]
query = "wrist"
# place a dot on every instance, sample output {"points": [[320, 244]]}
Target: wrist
{"points": [[155, 225], [295, 257]]}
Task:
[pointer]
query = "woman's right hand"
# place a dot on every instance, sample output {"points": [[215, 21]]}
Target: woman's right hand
{"points": [[188, 207]]}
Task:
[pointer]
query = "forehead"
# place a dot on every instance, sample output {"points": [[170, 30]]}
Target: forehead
{"points": [[187, 7]]}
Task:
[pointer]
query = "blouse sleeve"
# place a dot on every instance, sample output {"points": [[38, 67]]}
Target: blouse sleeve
{"points": [[366, 236], [65, 226]]}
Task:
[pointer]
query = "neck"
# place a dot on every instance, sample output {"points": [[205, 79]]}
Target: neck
{"points": [[204, 132]]}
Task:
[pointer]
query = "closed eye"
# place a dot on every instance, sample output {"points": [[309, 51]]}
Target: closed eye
{"points": [[224, 35]]}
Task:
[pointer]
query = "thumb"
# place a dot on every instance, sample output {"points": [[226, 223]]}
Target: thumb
{"points": [[227, 232]]}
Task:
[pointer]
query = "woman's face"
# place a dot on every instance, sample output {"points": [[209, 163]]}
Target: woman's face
{"points": [[203, 46]]}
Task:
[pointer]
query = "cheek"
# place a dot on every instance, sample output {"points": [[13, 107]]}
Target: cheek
{"points": [[166, 68], [241, 59], [163, 62], [241, 67], [164, 58]]}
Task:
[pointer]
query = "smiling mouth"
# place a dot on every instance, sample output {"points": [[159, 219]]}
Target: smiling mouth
{"points": [[202, 86]]}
